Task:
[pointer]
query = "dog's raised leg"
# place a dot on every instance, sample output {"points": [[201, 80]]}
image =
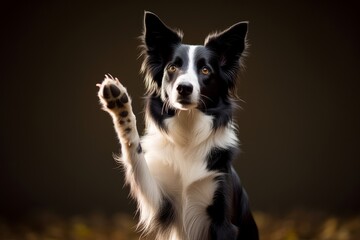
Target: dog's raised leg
{"points": [[116, 101]]}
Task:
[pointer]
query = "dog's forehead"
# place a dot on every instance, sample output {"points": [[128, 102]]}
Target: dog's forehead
{"points": [[182, 52], [197, 52]]}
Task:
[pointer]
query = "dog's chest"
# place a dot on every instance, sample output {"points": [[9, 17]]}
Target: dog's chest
{"points": [[178, 158], [182, 150]]}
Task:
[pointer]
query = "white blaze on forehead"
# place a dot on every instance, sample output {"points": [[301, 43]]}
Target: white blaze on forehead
{"points": [[191, 66], [190, 75]]}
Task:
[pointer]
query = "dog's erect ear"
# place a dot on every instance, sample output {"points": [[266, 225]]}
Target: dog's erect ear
{"points": [[229, 45], [157, 36], [158, 45]]}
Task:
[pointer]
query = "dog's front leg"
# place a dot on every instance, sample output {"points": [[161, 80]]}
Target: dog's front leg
{"points": [[116, 101]]}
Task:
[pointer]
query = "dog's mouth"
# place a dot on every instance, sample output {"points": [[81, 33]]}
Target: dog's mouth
{"points": [[184, 103]]}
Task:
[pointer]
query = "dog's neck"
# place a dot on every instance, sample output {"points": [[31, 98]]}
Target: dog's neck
{"points": [[190, 127]]}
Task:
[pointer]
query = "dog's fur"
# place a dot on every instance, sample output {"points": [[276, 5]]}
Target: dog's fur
{"points": [[180, 172]]}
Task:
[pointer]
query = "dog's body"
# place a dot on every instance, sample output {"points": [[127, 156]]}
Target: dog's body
{"points": [[180, 172]]}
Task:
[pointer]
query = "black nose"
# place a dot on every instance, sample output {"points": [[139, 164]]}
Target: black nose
{"points": [[184, 89]]}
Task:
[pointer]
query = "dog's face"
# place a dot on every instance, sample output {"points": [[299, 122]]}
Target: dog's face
{"points": [[191, 76], [188, 77]]}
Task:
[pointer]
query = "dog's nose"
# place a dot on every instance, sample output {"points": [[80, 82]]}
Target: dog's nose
{"points": [[185, 89]]}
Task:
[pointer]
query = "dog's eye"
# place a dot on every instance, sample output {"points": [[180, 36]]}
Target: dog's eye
{"points": [[205, 71], [172, 68]]}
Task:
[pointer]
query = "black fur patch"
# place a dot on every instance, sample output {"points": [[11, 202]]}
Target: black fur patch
{"points": [[214, 88], [166, 213], [228, 47], [240, 211], [157, 111], [229, 212], [219, 212], [225, 231], [180, 59], [222, 114], [219, 159]]}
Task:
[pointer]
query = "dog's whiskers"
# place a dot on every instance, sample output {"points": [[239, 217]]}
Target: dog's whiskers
{"points": [[165, 107], [204, 96], [202, 101]]}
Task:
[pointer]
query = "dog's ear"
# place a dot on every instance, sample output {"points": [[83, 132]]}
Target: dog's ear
{"points": [[229, 45], [158, 45], [157, 36]]}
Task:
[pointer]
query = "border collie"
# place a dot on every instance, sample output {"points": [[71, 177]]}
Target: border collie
{"points": [[180, 171]]}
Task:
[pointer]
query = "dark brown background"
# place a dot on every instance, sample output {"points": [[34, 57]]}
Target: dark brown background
{"points": [[299, 125]]}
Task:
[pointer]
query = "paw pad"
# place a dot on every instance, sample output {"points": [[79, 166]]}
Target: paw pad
{"points": [[115, 91], [113, 94], [106, 93], [124, 114], [110, 104], [124, 99]]}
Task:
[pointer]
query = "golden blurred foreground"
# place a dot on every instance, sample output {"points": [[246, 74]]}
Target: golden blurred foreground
{"points": [[298, 225]]}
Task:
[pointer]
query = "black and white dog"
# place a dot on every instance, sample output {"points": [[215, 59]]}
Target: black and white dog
{"points": [[180, 172]]}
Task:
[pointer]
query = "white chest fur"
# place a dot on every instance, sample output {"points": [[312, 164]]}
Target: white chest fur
{"points": [[185, 146]]}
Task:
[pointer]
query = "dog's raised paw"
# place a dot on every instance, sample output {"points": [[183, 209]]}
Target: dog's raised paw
{"points": [[113, 95]]}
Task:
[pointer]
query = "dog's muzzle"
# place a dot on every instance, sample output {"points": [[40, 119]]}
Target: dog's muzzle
{"points": [[184, 89]]}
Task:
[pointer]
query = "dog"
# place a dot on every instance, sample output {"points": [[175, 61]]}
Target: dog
{"points": [[180, 171]]}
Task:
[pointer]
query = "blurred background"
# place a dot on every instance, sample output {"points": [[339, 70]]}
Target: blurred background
{"points": [[299, 123]]}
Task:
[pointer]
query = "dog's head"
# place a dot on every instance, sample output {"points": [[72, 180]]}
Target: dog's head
{"points": [[191, 76]]}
